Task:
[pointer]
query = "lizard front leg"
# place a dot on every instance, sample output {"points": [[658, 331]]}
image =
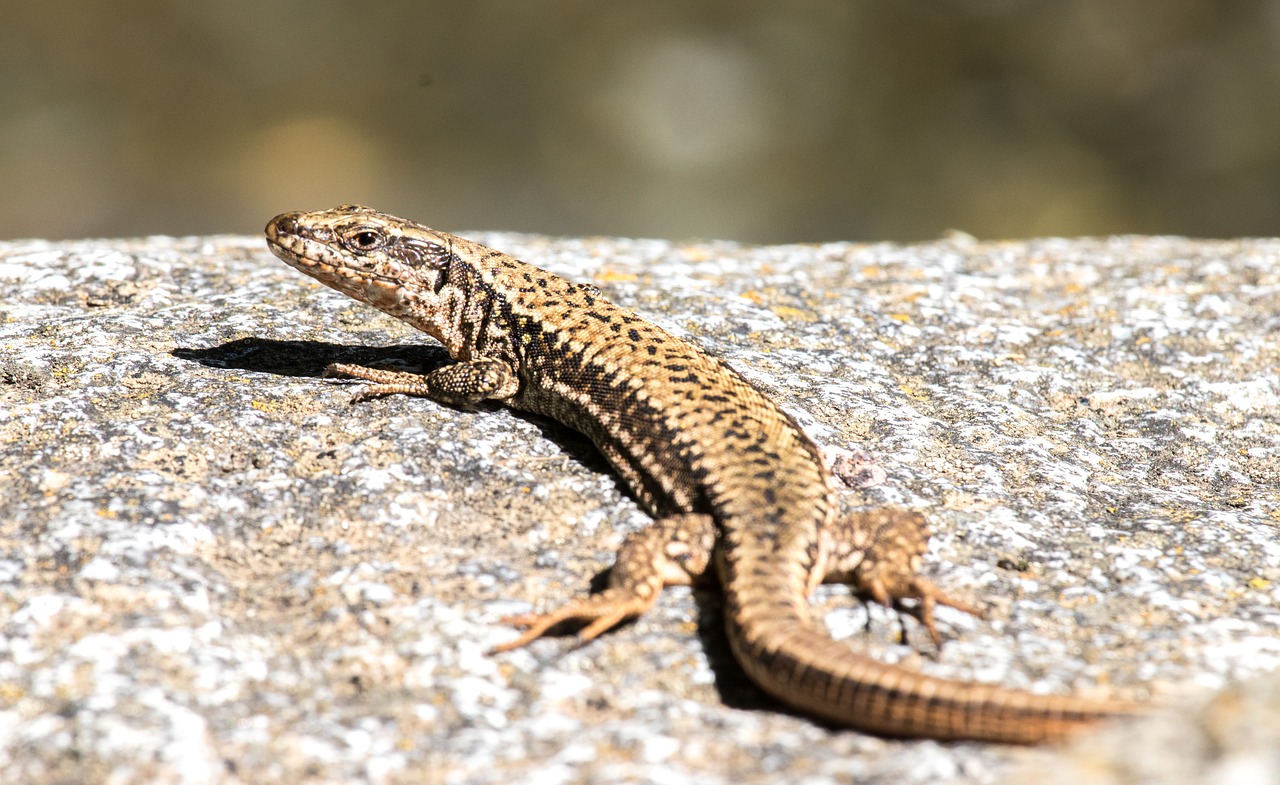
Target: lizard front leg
{"points": [[458, 384], [673, 550]]}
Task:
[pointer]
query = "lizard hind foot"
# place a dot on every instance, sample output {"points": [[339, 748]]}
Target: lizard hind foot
{"points": [[896, 540], [672, 550], [599, 612], [929, 596]]}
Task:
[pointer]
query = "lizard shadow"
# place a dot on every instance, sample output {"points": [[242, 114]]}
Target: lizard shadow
{"points": [[311, 358]]}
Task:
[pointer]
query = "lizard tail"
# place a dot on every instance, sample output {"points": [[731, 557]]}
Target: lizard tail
{"points": [[780, 648]]}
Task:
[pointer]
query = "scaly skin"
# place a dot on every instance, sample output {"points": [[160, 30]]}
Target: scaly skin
{"points": [[736, 486]]}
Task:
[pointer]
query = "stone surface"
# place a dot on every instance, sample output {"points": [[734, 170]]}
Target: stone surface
{"points": [[213, 569]]}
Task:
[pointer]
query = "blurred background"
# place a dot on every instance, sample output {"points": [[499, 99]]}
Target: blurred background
{"points": [[757, 121]]}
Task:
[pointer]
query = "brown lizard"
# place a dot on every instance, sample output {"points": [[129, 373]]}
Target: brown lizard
{"points": [[738, 490]]}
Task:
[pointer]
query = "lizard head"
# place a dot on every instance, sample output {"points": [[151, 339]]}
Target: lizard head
{"points": [[392, 264]]}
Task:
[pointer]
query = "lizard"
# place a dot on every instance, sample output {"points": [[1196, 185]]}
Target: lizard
{"points": [[738, 491]]}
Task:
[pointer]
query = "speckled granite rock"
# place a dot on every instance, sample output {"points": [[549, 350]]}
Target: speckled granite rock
{"points": [[215, 570], [1228, 737]]}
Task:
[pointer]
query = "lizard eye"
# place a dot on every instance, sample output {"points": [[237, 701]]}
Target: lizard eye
{"points": [[365, 240]]}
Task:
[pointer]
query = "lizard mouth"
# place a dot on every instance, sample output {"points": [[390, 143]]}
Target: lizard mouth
{"points": [[291, 242], [290, 250], [285, 253]]}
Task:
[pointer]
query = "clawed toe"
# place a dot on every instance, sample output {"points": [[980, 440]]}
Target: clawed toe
{"points": [[522, 621], [535, 626], [600, 614], [926, 593]]}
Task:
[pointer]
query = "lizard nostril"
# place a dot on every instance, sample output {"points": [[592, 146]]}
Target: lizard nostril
{"points": [[286, 223], [282, 224]]}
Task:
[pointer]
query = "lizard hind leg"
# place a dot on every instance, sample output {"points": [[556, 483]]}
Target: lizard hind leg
{"points": [[674, 550], [879, 552]]}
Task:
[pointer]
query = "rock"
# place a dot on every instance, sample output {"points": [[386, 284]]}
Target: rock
{"points": [[213, 568]]}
